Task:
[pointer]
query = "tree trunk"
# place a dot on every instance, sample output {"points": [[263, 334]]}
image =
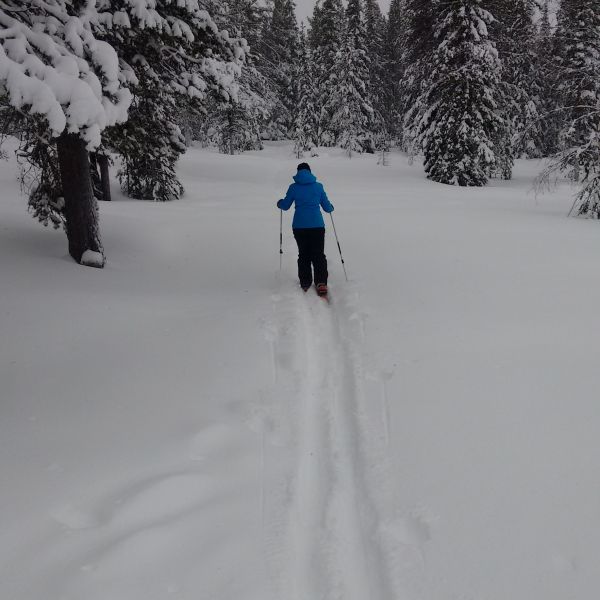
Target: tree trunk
{"points": [[104, 176], [81, 211]]}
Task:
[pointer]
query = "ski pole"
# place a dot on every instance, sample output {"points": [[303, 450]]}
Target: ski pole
{"points": [[280, 237], [339, 247]]}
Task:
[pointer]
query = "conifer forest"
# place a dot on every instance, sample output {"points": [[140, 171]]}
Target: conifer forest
{"points": [[470, 85]]}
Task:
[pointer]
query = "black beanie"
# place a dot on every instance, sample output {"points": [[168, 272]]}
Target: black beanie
{"points": [[303, 166]]}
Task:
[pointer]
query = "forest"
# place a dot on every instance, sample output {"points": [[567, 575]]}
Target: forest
{"points": [[470, 85]]}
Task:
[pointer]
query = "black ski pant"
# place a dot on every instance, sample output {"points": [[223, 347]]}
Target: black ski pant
{"points": [[311, 255]]}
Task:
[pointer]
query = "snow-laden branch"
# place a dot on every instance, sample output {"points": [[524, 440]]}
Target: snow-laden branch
{"points": [[57, 69]]}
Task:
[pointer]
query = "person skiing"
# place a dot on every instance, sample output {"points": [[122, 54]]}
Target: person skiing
{"points": [[308, 226]]}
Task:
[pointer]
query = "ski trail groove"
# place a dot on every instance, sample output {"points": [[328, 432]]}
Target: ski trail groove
{"points": [[333, 546], [310, 495]]}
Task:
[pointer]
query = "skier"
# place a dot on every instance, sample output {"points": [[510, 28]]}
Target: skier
{"points": [[308, 227]]}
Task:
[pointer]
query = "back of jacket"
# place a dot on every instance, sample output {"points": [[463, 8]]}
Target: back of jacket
{"points": [[309, 197]]}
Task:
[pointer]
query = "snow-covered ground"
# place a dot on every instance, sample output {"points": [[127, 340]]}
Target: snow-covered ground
{"points": [[187, 424]]}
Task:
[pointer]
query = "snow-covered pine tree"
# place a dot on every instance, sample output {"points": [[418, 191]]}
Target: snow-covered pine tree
{"points": [[419, 43], [393, 70], [461, 124], [237, 126], [515, 35], [349, 104], [375, 48], [578, 85], [180, 57], [151, 142], [325, 39], [578, 89], [55, 68], [545, 85], [278, 62], [306, 122]]}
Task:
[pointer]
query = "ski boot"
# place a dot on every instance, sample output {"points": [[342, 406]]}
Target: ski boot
{"points": [[322, 290]]}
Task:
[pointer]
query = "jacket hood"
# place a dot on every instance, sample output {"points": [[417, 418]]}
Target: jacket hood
{"points": [[304, 177]]}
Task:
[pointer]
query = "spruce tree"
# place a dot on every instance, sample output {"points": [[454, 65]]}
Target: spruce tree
{"points": [[393, 70], [325, 40], [461, 123], [515, 35], [419, 44], [70, 85], [352, 115], [150, 143], [306, 120], [160, 49], [376, 53], [185, 62], [546, 85], [237, 125], [578, 92], [578, 85], [279, 53]]}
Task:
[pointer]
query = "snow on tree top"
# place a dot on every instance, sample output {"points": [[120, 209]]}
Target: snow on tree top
{"points": [[53, 66]]}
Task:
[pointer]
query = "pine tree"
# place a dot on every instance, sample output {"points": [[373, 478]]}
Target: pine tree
{"points": [[578, 87], [375, 48], [70, 84], [278, 62], [306, 121], [515, 35], [546, 86], [238, 125], [325, 39], [150, 143], [461, 125], [578, 94], [180, 60], [393, 70], [352, 115], [419, 44], [150, 38]]}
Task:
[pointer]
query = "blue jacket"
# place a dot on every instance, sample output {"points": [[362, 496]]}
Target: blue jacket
{"points": [[309, 196]]}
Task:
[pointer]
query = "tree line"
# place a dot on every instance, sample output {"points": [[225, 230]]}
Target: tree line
{"points": [[468, 84]]}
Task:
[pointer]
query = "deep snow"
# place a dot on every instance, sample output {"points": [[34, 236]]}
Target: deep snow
{"points": [[186, 424]]}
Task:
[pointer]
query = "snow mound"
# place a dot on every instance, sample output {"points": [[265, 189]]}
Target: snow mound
{"points": [[90, 258]]}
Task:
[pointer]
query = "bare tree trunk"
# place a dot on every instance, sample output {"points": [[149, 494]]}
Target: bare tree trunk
{"points": [[104, 176], [81, 211]]}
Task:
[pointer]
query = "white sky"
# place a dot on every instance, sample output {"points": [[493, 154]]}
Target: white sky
{"points": [[304, 8]]}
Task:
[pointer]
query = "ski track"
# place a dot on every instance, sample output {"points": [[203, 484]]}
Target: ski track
{"points": [[336, 543]]}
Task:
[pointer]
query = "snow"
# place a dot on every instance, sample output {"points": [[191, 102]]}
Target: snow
{"points": [[186, 423], [45, 71], [91, 258]]}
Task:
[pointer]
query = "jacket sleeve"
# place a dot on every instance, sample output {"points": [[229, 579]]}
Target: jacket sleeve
{"points": [[325, 204], [285, 203]]}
